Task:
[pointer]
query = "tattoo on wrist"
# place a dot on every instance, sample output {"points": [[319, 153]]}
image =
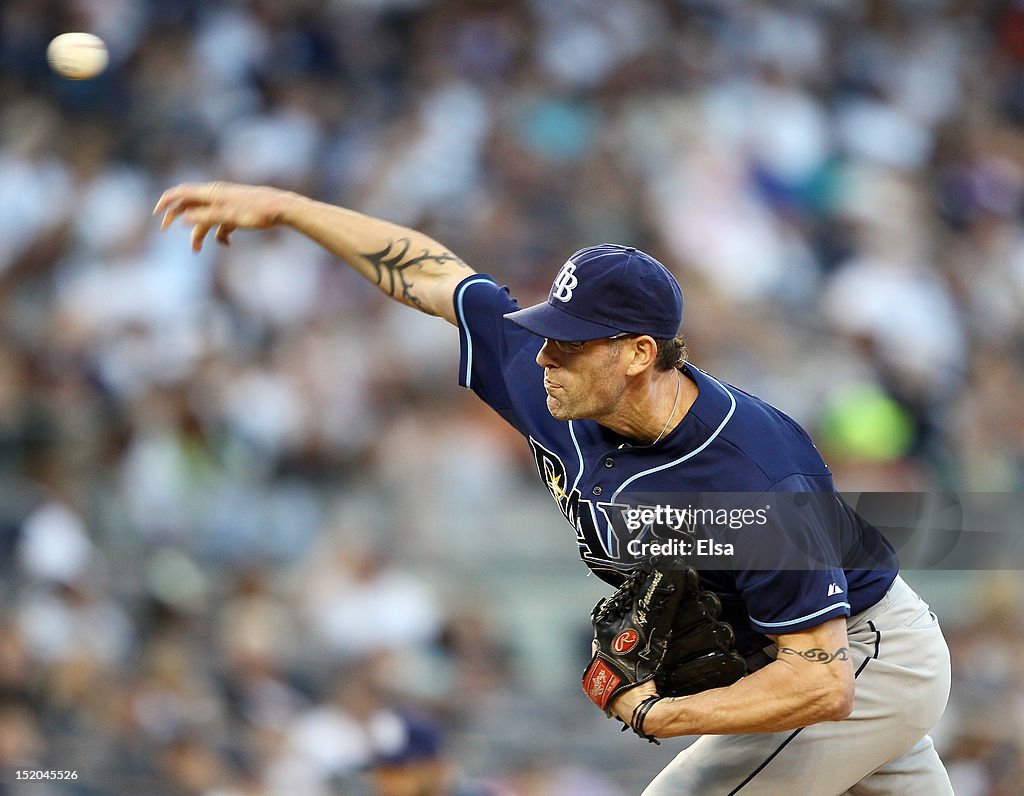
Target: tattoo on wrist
{"points": [[392, 262], [817, 654]]}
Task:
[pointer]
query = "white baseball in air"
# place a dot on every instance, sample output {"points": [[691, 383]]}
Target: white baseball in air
{"points": [[78, 56]]}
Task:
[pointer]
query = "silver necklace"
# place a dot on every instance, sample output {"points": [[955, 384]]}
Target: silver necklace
{"points": [[675, 403]]}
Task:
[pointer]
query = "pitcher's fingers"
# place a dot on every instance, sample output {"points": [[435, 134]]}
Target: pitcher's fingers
{"points": [[186, 193], [167, 198], [172, 213], [224, 233], [182, 206], [199, 232]]}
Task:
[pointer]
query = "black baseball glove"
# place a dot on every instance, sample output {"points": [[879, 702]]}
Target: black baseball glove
{"points": [[660, 625]]}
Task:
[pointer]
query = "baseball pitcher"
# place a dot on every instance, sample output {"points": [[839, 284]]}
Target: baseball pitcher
{"points": [[752, 606]]}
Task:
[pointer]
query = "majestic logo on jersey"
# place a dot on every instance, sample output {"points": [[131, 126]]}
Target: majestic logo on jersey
{"points": [[565, 282]]}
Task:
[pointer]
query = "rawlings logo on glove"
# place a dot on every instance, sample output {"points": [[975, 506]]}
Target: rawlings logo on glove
{"points": [[625, 641]]}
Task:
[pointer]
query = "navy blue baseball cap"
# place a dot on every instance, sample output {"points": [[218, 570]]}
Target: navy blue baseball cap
{"points": [[605, 290], [407, 738]]}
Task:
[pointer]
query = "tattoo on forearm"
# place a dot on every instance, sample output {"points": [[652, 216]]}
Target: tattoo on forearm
{"points": [[392, 264], [818, 655]]}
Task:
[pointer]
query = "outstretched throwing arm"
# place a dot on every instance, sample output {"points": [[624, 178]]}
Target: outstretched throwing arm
{"points": [[406, 265]]}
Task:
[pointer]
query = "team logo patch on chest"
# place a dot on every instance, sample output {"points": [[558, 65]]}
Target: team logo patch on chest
{"points": [[602, 528], [552, 473]]}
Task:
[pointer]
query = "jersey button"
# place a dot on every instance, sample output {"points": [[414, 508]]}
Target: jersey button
{"points": [[597, 490], [609, 462]]}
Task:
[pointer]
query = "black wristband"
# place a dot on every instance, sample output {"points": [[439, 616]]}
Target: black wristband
{"points": [[636, 721]]}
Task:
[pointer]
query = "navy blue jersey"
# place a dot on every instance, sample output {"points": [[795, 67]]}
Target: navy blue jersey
{"points": [[808, 566]]}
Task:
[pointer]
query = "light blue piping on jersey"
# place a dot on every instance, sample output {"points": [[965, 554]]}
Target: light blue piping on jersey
{"points": [[695, 451], [800, 618], [462, 323], [579, 475]]}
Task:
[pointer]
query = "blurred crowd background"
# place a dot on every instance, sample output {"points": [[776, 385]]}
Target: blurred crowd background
{"points": [[253, 537]]}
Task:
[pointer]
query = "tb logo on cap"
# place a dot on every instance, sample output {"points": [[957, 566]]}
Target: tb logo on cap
{"points": [[565, 282]]}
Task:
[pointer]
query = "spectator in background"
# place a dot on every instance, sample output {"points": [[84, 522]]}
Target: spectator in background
{"points": [[410, 759]]}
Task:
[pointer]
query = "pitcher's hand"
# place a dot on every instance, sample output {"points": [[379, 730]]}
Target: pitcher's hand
{"points": [[223, 205]]}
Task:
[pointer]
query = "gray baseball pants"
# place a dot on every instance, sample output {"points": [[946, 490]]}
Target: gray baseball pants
{"points": [[903, 677]]}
